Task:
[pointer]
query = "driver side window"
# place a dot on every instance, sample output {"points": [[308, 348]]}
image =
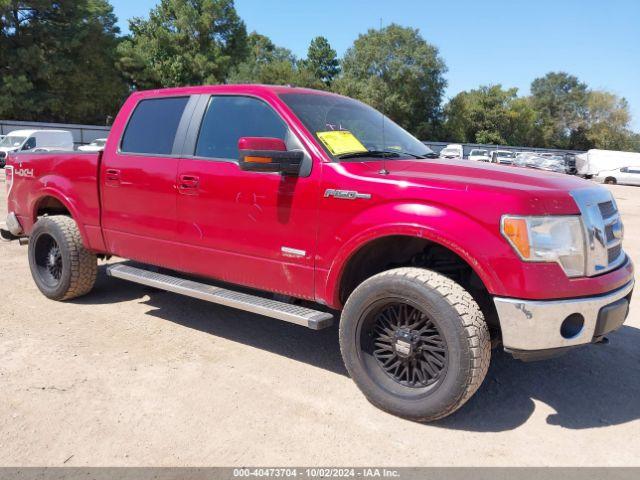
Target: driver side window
{"points": [[228, 118]]}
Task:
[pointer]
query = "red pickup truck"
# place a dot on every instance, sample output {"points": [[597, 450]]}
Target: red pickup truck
{"points": [[269, 198]]}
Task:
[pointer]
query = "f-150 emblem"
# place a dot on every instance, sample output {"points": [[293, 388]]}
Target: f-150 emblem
{"points": [[346, 194]]}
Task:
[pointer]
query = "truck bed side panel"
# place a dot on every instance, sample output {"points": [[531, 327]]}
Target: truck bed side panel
{"points": [[70, 178]]}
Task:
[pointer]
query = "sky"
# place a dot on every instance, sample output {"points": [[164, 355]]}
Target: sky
{"points": [[483, 42]]}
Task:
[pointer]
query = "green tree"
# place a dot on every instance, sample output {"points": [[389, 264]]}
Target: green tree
{"points": [[269, 64], [493, 115], [322, 60], [561, 102], [607, 124], [395, 70], [184, 42], [58, 61]]}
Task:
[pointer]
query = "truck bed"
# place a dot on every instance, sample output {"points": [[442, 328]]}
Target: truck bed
{"points": [[70, 177]]}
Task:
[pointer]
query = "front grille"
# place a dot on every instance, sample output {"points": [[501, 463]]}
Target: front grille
{"points": [[609, 233], [601, 223], [614, 252], [607, 209]]}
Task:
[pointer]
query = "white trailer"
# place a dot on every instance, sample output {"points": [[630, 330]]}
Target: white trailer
{"points": [[595, 161]]}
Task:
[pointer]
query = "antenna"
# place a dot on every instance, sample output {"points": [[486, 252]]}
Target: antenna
{"points": [[384, 170]]}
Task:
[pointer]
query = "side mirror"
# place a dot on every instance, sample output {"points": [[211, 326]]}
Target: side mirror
{"points": [[265, 154]]}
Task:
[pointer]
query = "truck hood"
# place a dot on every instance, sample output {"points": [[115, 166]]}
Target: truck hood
{"points": [[525, 190]]}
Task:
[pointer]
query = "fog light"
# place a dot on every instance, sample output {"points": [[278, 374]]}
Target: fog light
{"points": [[572, 326]]}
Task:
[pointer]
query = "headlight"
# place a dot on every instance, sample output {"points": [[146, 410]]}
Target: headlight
{"points": [[548, 239]]}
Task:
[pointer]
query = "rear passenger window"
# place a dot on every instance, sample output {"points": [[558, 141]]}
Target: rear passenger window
{"points": [[229, 118], [153, 125]]}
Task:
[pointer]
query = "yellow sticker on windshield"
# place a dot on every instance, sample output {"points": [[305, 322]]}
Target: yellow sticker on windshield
{"points": [[341, 141]]}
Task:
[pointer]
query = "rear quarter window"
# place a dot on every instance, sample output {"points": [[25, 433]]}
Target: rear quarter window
{"points": [[153, 125]]}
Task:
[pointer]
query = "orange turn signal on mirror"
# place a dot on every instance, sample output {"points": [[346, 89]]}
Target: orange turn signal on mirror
{"points": [[249, 159], [515, 229]]}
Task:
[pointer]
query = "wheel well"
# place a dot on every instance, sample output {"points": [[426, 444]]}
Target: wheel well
{"points": [[611, 180], [51, 206], [404, 251]]}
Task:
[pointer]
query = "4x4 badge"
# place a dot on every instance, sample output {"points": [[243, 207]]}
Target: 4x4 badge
{"points": [[346, 194]]}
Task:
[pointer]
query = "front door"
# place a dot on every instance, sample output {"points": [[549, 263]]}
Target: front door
{"points": [[248, 228]]}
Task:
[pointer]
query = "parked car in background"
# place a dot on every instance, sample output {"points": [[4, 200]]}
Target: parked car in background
{"points": [[453, 150], [622, 176], [28, 140], [595, 161], [550, 164], [504, 157], [479, 154], [553, 164], [96, 146], [527, 159], [570, 163]]}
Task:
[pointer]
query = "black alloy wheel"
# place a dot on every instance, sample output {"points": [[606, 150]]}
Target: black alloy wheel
{"points": [[405, 343]]}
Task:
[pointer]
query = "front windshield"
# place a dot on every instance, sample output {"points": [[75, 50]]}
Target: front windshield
{"points": [[479, 152], [362, 131], [449, 151], [12, 141], [504, 154]]}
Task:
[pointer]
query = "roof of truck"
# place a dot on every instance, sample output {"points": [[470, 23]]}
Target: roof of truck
{"points": [[235, 88]]}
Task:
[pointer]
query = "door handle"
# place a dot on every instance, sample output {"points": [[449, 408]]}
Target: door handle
{"points": [[112, 175], [188, 184]]}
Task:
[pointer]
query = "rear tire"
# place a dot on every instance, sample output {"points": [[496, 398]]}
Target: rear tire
{"points": [[60, 264], [415, 343]]}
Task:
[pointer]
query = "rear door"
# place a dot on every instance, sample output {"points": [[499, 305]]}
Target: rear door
{"points": [[249, 228], [138, 180]]}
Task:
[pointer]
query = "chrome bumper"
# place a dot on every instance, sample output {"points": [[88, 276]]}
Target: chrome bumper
{"points": [[537, 325], [13, 224]]}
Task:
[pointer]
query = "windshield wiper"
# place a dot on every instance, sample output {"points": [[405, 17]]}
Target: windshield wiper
{"points": [[379, 154], [369, 153]]}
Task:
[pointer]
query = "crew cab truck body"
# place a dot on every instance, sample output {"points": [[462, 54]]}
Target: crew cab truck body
{"points": [[299, 193]]}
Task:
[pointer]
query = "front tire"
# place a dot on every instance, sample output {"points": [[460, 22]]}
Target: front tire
{"points": [[60, 264], [415, 343], [610, 181]]}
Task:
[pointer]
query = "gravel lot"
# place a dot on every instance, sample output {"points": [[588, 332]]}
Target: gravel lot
{"points": [[132, 376]]}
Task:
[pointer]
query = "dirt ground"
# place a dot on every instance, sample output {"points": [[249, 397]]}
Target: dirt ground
{"points": [[132, 376]]}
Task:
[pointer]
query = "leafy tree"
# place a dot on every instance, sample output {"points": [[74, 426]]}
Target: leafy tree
{"points": [[561, 102], [184, 42], [268, 64], [491, 115], [395, 70], [607, 123], [322, 60], [58, 61]]}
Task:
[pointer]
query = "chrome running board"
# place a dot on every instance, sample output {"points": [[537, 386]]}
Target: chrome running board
{"points": [[306, 317]]}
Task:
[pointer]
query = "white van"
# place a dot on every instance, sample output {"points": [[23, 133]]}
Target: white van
{"points": [[24, 140], [479, 155], [452, 150], [595, 161]]}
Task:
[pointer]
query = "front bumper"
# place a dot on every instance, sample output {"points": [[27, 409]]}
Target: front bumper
{"points": [[537, 325]]}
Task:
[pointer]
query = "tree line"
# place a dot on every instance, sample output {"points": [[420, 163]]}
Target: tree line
{"points": [[66, 61]]}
